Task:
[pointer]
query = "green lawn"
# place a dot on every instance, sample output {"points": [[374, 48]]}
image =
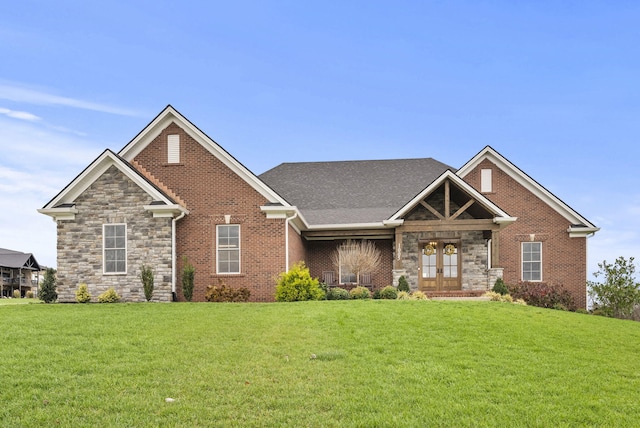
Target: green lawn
{"points": [[377, 363]]}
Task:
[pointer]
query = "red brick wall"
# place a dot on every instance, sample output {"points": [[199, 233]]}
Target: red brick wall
{"points": [[564, 259], [297, 249], [319, 260], [211, 190]]}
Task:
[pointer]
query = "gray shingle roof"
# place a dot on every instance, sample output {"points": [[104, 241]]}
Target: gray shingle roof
{"points": [[16, 260], [347, 192]]}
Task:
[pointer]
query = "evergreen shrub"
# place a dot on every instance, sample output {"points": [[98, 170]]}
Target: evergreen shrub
{"points": [[389, 292], [337, 293], [188, 276], [500, 287], [82, 294], [109, 296], [47, 291], [360, 292], [146, 275], [297, 285], [403, 284]]}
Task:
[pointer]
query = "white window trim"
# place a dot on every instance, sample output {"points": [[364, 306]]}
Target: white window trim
{"points": [[218, 250], [522, 262], [104, 250], [173, 148]]}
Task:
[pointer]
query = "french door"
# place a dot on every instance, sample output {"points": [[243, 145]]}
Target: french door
{"points": [[439, 265]]}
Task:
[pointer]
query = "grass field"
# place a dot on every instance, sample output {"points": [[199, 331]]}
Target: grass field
{"points": [[377, 363]]}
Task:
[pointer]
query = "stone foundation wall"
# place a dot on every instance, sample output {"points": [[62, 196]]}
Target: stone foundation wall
{"points": [[113, 198]]}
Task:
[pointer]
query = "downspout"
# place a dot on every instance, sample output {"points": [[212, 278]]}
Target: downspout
{"points": [[173, 253], [286, 240]]}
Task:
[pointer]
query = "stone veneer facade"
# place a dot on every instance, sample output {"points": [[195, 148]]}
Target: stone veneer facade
{"points": [[473, 256], [113, 198]]}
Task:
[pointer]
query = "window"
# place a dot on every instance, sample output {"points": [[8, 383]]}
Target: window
{"points": [[173, 149], [114, 244], [532, 261], [485, 181], [228, 248], [346, 276]]}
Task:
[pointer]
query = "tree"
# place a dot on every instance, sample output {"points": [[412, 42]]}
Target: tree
{"points": [[47, 291], [188, 275], [146, 276], [358, 257], [619, 294]]}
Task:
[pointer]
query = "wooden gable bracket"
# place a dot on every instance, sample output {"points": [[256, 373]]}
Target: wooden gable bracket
{"points": [[447, 205]]}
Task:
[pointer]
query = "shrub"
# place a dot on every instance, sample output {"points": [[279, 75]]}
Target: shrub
{"points": [[389, 292], [619, 294], [493, 296], [360, 293], [376, 294], [146, 276], [47, 291], [520, 302], [82, 294], [325, 289], [500, 287], [16, 294], [188, 275], [297, 285], [403, 284], [222, 293], [337, 293], [418, 295], [543, 295], [109, 296], [403, 295], [29, 294]]}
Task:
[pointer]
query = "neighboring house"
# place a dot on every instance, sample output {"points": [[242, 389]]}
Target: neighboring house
{"points": [[18, 271], [173, 194]]}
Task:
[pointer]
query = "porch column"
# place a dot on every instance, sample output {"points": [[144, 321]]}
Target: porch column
{"points": [[397, 258], [495, 248]]}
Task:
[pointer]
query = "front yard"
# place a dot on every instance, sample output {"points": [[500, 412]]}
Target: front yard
{"points": [[324, 363]]}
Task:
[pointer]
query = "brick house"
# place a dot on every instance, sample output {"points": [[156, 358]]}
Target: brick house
{"points": [[173, 193]]}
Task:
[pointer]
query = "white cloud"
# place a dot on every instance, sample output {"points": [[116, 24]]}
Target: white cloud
{"points": [[23, 115], [20, 93]]}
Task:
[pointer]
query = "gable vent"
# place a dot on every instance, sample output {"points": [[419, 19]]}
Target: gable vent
{"points": [[173, 149]]}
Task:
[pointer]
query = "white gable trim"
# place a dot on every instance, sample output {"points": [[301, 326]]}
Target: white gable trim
{"points": [[94, 171], [530, 184], [169, 115], [500, 215]]}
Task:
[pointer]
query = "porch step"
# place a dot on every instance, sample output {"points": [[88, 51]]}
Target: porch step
{"points": [[455, 294]]}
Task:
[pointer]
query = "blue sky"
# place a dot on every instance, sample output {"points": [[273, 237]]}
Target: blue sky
{"points": [[553, 86]]}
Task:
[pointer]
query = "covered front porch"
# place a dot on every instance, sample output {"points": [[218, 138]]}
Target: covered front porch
{"points": [[446, 239]]}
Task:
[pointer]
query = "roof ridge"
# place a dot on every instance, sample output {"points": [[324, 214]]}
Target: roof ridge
{"points": [[153, 179]]}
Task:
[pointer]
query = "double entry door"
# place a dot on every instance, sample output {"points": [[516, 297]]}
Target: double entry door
{"points": [[439, 265]]}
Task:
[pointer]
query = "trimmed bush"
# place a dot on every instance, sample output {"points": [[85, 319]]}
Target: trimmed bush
{"points": [[500, 287], [109, 296], [47, 291], [360, 293], [188, 275], [222, 293], [337, 293], [543, 295], [403, 284], [16, 294], [146, 276], [82, 294], [298, 285], [29, 294], [389, 292]]}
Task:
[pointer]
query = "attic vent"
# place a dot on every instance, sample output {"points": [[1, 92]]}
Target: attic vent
{"points": [[485, 181], [173, 149]]}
